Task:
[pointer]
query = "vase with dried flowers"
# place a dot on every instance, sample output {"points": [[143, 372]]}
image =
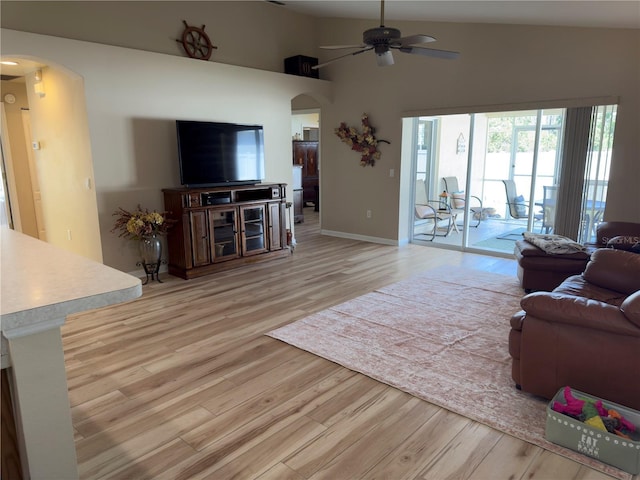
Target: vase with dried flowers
{"points": [[144, 226]]}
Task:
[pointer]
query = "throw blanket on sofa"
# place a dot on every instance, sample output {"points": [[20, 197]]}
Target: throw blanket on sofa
{"points": [[553, 244]]}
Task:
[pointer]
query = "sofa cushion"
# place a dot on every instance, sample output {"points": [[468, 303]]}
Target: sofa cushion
{"points": [[577, 286], [614, 269], [587, 313], [457, 200]]}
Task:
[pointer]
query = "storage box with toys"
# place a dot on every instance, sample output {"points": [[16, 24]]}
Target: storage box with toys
{"points": [[600, 429]]}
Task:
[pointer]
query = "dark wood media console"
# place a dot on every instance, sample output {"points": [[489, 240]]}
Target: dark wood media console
{"points": [[224, 227]]}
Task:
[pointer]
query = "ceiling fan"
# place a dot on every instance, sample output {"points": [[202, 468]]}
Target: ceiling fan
{"points": [[383, 39]]}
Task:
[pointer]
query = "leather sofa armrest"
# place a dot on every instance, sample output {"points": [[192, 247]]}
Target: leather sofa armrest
{"points": [[631, 308], [517, 319], [578, 311]]}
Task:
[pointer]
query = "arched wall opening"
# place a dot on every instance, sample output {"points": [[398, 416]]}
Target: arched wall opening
{"points": [[47, 130], [306, 149]]}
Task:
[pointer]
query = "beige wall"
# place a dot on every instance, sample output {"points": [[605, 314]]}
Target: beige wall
{"points": [[132, 102], [63, 163], [499, 65], [255, 34]]}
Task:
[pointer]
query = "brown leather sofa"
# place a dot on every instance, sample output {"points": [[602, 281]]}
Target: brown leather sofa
{"points": [[608, 232], [538, 270], [584, 334]]}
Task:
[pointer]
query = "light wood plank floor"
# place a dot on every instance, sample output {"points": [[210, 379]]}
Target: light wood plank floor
{"points": [[183, 384]]}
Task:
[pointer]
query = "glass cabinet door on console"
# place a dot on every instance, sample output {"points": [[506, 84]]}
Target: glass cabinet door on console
{"points": [[224, 231], [253, 227]]}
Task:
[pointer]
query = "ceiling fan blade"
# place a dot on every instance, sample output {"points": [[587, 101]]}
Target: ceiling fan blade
{"points": [[315, 67], [416, 39], [431, 52], [383, 39], [338, 47]]}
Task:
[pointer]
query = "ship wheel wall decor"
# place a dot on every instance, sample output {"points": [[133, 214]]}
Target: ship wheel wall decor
{"points": [[196, 42]]}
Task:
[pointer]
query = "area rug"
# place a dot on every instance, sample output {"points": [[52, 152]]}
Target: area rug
{"points": [[441, 336], [513, 235], [504, 242]]}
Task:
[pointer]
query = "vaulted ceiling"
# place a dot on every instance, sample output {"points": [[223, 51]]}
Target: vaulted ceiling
{"points": [[578, 13]]}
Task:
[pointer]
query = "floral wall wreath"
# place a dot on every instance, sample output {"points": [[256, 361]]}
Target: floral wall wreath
{"points": [[365, 142]]}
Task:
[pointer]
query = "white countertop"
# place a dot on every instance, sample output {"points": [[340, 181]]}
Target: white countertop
{"points": [[41, 284]]}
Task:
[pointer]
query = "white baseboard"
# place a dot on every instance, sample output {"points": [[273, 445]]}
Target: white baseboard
{"points": [[139, 272], [363, 238]]}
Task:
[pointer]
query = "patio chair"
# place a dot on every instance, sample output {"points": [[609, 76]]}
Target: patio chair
{"points": [[433, 213], [518, 208], [458, 200]]}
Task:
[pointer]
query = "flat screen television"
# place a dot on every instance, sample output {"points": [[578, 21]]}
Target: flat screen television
{"points": [[213, 154]]}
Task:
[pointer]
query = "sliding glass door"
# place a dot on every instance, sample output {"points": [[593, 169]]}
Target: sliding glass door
{"points": [[440, 165], [535, 155], [598, 164], [502, 173]]}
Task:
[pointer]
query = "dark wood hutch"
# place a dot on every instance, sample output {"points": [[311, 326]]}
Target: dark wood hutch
{"points": [[305, 153]]}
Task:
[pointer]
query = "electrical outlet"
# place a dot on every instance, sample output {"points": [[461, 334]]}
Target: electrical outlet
{"points": [[368, 213]]}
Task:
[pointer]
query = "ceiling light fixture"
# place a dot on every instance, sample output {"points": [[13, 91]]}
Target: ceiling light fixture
{"points": [[384, 59], [9, 62]]}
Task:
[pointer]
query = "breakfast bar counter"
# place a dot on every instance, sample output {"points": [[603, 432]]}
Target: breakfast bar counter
{"points": [[40, 285]]}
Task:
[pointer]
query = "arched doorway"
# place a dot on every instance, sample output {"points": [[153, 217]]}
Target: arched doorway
{"points": [[46, 146], [305, 134]]}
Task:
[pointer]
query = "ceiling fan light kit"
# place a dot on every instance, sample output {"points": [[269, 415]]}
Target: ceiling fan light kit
{"points": [[384, 59], [383, 39]]}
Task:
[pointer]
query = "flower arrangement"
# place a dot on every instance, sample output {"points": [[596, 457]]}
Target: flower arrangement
{"points": [[365, 143], [140, 223]]}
